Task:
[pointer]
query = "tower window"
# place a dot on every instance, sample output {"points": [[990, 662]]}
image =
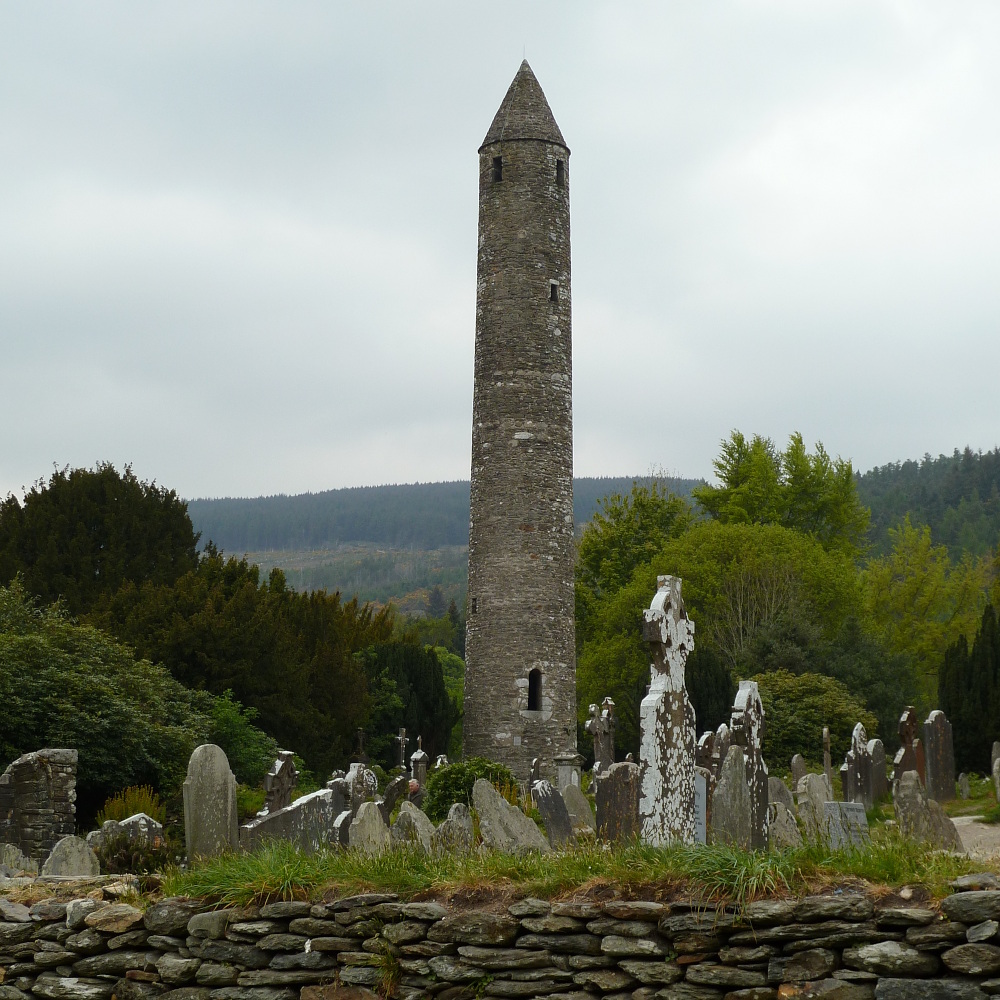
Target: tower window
{"points": [[560, 173], [535, 690], [553, 291], [475, 605], [498, 168]]}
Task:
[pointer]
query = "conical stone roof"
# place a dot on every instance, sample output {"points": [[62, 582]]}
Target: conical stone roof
{"points": [[524, 113]]}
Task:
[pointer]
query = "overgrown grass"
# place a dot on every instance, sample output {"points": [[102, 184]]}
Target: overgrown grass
{"points": [[714, 872]]}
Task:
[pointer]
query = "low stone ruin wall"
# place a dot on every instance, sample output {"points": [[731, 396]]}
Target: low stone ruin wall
{"points": [[38, 801], [840, 946]]}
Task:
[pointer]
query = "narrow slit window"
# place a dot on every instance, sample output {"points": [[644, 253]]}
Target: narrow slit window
{"points": [[553, 291], [560, 173], [497, 168], [475, 605], [535, 690]]}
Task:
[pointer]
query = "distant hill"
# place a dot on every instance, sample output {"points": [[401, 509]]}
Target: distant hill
{"points": [[417, 516], [957, 495]]}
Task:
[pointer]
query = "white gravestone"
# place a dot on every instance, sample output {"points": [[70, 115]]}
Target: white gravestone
{"points": [[210, 820]]}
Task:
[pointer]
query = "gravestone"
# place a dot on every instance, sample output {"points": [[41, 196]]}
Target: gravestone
{"points": [[369, 833], [109, 829], [799, 769], [363, 785], [846, 825], [667, 722], [778, 791], [555, 815], [402, 739], [308, 823], [412, 829], [210, 821], [856, 773], [963, 786], [454, 835], [747, 727], [38, 801], [279, 783], [140, 828], [580, 812], [813, 793], [701, 783], [503, 826], [601, 725], [782, 830], [939, 754], [827, 757], [703, 751], [996, 778], [995, 753], [568, 767], [618, 803], [419, 761], [341, 797], [731, 810], [394, 793], [342, 828], [879, 770], [849, 778], [920, 817], [906, 758], [720, 747], [72, 857]]}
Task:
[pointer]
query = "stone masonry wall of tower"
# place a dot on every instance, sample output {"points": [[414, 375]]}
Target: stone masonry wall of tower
{"points": [[521, 550]]}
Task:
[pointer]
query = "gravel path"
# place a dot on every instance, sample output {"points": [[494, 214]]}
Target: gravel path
{"points": [[981, 840]]}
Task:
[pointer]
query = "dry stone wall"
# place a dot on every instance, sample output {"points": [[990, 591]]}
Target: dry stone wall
{"points": [[840, 945]]}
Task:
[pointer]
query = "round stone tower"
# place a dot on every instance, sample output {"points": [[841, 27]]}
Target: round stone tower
{"points": [[520, 678]]}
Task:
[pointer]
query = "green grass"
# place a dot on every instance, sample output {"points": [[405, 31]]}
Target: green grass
{"points": [[714, 872]]}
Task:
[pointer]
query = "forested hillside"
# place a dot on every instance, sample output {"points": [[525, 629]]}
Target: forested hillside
{"points": [[957, 496], [416, 516]]}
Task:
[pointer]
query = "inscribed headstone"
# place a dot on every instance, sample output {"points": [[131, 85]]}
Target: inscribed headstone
{"points": [[555, 815], [618, 803], [580, 811], [846, 824], [702, 777], [747, 726], [963, 786], [813, 792], [667, 722], [369, 833], [210, 819], [730, 821], [939, 757], [308, 823], [72, 856], [778, 791]]}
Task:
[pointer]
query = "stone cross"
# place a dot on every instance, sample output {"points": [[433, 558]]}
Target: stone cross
{"points": [[279, 783], [827, 758], [939, 751], [667, 722], [402, 740], [747, 725], [601, 725]]}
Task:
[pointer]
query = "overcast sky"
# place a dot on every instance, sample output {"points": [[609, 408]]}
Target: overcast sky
{"points": [[237, 240]]}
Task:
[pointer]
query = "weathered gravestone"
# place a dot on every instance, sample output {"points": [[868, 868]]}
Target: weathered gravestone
{"points": [[845, 824], [72, 857], [580, 812], [813, 793], [747, 727], [394, 793], [730, 822], [342, 828], [909, 756], [279, 783], [308, 823], [568, 767], [412, 829], [827, 757], [369, 833], [454, 835], [363, 785], [38, 801], [210, 821], [601, 725], [920, 817], [799, 769], [995, 753], [778, 791], [939, 757], [963, 786], [782, 830], [667, 722], [141, 828], [879, 770], [555, 815], [856, 773], [702, 778], [503, 826], [618, 803], [419, 762]]}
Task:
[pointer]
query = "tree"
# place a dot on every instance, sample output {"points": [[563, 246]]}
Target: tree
{"points": [[87, 532], [813, 494], [920, 602]]}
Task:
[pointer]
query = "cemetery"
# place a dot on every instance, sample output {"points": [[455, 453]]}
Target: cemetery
{"points": [[691, 873]]}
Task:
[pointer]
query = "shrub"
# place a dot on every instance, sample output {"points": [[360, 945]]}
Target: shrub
{"points": [[251, 752], [132, 800], [454, 782], [120, 854]]}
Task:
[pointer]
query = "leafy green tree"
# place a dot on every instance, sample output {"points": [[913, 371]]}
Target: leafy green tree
{"points": [[69, 685], [453, 783], [920, 602], [86, 532], [810, 493], [797, 707]]}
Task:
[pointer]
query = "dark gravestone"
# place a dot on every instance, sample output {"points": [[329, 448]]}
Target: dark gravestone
{"points": [[939, 752], [906, 757], [555, 815], [395, 792], [747, 725], [799, 769], [701, 784], [879, 770], [618, 803]]}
